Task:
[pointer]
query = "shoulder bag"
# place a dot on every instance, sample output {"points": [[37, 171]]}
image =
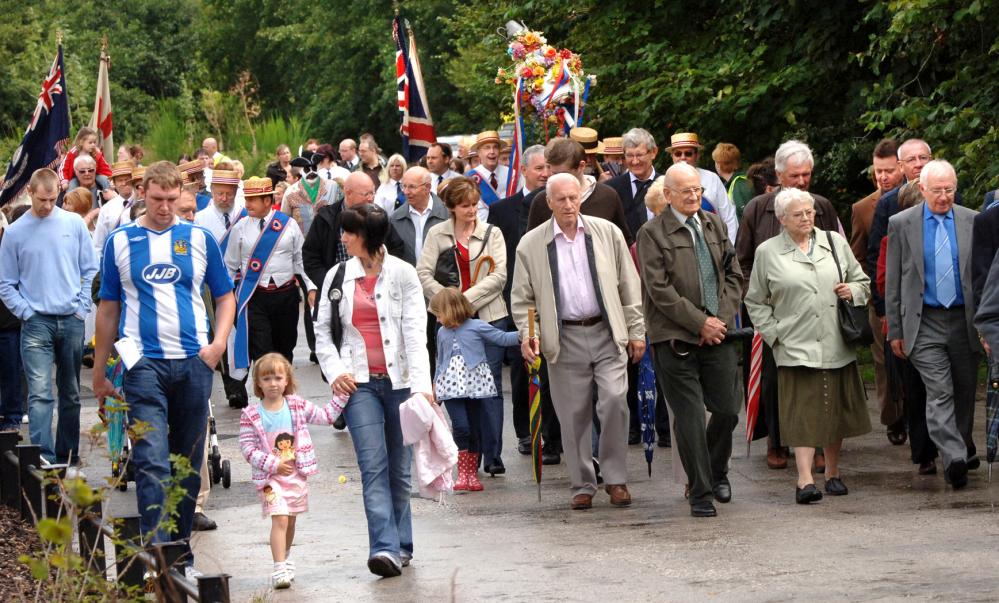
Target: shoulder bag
{"points": [[853, 321]]}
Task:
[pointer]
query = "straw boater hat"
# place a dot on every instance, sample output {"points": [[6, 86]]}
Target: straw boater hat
{"points": [[485, 137], [225, 177], [587, 137], [138, 173], [684, 140], [191, 167], [614, 146], [257, 187], [121, 168]]}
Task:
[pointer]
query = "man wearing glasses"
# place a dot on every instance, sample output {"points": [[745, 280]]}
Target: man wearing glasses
{"points": [[931, 309], [692, 288], [685, 147]]}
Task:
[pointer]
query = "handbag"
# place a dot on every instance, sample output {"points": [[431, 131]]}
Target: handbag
{"points": [[446, 270], [853, 321]]}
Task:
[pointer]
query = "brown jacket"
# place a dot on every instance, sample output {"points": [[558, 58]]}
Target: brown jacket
{"points": [[759, 224], [861, 216], [671, 282]]}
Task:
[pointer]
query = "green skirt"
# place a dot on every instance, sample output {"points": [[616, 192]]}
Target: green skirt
{"points": [[821, 406]]}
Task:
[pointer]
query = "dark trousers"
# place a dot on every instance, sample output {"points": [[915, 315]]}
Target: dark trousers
{"points": [[768, 417], [914, 398], [465, 422], [519, 391], [273, 320], [551, 429], [705, 379], [235, 389], [11, 377], [310, 332], [492, 408]]}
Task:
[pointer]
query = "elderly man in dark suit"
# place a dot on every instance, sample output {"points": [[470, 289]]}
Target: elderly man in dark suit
{"points": [[985, 243], [692, 287], [639, 152], [931, 308]]}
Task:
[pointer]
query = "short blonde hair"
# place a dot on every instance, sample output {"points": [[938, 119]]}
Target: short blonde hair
{"points": [[655, 197], [271, 364], [451, 307], [79, 201], [727, 156], [43, 177]]}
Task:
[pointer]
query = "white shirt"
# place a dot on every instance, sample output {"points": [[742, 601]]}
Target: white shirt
{"points": [[332, 172], [634, 190], [438, 179], [501, 173], [114, 213], [213, 219], [714, 190], [285, 261], [387, 194], [419, 222], [683, 220], [575, 281]]}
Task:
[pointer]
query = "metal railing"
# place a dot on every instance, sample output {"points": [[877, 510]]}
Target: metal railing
{"points": [[25, 487]]}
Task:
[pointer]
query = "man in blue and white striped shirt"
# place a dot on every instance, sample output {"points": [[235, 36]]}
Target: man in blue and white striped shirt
{"points": [[152, 274]]}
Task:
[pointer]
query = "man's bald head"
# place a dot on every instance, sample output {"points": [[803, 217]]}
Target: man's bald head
{"points": [[416, 187], [211, 145], [358, 189], [678, 171]]}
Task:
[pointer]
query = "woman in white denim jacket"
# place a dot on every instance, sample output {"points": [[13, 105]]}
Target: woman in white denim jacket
{"points": [[381, 360]]}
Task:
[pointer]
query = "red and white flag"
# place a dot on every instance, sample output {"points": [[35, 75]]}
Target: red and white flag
{"points": [[101, 119]]}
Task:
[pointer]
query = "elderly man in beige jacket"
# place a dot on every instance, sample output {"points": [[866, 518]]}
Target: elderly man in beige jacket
{"points": [[577, 272]]}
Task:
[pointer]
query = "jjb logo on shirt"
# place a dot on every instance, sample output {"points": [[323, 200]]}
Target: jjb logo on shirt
{"points": [[161, 274]]}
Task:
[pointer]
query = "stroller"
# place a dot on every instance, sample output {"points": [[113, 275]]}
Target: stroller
{"points": [[114, 414]]}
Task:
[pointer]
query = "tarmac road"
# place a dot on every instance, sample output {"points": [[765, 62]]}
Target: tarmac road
{"points": [[896, 536]]}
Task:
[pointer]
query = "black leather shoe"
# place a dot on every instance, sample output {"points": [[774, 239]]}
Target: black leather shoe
{"points": [[974, 462], [237, 401], [957, 474], [203, 524], [664, 441], [634, 437], [313, 358], [808, 494], [524, 445], [928, 467], [722, 491], [340, 423], [495, 468], [550, 458], [836, 487], [703, 509]]}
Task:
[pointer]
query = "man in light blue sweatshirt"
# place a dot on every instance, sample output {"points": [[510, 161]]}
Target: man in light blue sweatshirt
{"points": [[47, 265]]}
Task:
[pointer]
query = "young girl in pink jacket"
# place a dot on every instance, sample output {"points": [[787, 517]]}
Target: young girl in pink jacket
{"points": [[274, 438]]}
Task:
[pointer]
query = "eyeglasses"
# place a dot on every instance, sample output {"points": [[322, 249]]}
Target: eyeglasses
{"points": [[636, 155], [804, 214], [687, 153], [412, 187], [915, 158], [687, 192], [87, 171], [943, 190]]}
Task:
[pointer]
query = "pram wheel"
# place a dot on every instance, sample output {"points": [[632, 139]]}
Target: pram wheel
{"points": [[215, 465], [226, 477]]}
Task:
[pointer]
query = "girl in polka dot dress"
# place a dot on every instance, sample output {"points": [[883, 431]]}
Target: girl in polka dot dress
{"points": [[463, 376]]}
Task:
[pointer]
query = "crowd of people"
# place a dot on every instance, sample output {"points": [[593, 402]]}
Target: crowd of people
{"points": [[416, 284]]}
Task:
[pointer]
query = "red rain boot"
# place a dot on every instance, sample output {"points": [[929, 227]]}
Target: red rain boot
{"points": [[464, 468], [473, 472]]}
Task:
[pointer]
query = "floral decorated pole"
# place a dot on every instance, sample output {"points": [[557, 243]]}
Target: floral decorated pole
{"points": [[548, 86]]}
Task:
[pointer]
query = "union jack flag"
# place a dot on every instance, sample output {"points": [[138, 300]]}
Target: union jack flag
{"points": [[49, 127], [417, 124]]}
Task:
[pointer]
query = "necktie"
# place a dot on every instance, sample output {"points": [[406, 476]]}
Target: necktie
{"points": [[943, 265], [261, 224], [640, 185], [440, 179], [493, 182], [705, 265], [400, 199], [225, 218]]}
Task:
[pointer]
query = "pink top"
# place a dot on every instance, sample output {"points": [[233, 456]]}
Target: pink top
{"points": [[575, 283], [365, 320]]}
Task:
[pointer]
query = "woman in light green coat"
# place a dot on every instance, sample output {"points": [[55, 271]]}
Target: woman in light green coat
{"points": [[792, 301]]}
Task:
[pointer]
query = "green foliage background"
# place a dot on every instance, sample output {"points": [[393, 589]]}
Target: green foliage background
{"points": [[840, 75]]}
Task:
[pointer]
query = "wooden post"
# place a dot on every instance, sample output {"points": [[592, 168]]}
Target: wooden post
{"points": [[168, 555], [129, 569], [29, 456], [10, 485], [213, 588], [91, 538]]}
